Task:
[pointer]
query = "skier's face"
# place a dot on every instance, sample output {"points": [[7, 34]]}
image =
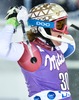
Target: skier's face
{"points": [[56, 34]]}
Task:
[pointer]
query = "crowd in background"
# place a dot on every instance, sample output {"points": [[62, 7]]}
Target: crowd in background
{"points": [[69, 5]]}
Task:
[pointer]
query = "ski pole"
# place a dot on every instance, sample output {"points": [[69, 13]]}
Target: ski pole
{"points": [[74, 26], [33, 59]]}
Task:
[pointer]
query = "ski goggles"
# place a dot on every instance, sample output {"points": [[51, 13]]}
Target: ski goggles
{"points": [[59, 25]]}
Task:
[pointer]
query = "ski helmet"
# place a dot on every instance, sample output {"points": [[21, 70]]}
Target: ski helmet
{"points": [[44, 15], [47, 12]]}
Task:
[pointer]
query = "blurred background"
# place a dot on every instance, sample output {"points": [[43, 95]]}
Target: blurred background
{"points": [[12, 83]]}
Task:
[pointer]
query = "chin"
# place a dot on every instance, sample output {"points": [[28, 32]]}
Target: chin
{"points": [[57, 43]]}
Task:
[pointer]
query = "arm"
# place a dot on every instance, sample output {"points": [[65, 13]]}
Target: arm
{"points": [[68, 49], [14, 16], [9, 50]]}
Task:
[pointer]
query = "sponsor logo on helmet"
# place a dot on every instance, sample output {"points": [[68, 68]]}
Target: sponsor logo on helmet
{"points": [[44, 24]]}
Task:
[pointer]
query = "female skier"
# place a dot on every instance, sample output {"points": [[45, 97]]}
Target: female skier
{"points": [[42, 55]]}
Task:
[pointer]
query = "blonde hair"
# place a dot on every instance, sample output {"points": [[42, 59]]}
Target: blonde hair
{"points": [[31, 36]]}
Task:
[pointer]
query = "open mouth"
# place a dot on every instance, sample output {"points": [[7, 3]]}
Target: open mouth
{"points": [[59, 36]]}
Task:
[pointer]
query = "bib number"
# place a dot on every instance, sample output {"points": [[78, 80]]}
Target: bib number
{"points": [[64, 81]]}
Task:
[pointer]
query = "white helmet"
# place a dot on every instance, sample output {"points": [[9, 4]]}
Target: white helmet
{"points": [[47, 11], [44, 15]]}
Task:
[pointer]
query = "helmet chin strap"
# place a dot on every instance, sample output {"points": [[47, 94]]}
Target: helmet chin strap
{"points": [[65, 38]]}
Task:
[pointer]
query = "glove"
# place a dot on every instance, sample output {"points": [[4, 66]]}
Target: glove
{"points": [[12, 16], [22, 15]]}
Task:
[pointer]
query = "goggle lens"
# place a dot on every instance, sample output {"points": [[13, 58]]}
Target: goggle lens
{"points": [[60, 24]]}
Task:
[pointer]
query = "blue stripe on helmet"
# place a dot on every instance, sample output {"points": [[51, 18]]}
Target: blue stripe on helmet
{"points": [[45, 24]]}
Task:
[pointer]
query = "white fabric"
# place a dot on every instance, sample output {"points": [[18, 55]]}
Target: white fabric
{"points": [[22, 15], [59, 95], [8, 50], [64, 46]]}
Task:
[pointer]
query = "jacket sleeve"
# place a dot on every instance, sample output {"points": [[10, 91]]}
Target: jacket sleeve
{"points": [[9, 50], [68, 49]]}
